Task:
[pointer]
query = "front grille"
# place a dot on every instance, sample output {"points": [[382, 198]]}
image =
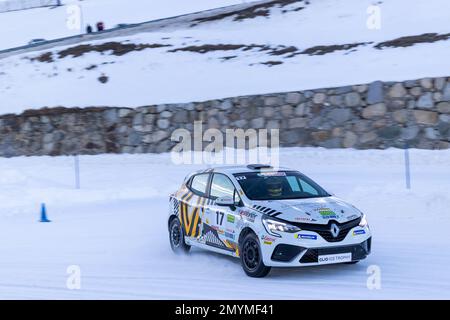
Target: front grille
{"points": [[359, 252], [325, 229], [310, 256]]}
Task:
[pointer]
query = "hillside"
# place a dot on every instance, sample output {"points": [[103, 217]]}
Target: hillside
{"points": [[274, 46], [19, 27]]}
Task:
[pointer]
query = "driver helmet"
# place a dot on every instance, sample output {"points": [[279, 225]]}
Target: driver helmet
{"points": [[274, 187]]}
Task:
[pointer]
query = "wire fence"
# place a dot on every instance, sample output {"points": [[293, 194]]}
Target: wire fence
{"points": [[16, 5]]}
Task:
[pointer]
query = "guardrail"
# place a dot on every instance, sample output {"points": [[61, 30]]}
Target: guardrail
{"points": [[78, 36]]}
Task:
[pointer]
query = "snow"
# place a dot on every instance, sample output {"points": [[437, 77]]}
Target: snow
{"points": [[115, 229], [115, 226], [156, 76], [19, 27]]}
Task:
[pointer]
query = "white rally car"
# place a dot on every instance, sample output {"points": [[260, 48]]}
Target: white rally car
{"points": [[268, 218]]}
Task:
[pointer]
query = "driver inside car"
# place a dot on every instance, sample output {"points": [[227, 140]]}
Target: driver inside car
{"points": [[274, 187]]}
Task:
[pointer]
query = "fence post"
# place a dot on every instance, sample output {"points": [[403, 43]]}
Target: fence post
{"points": [[77, 172], [82, 29], [407, 167]]}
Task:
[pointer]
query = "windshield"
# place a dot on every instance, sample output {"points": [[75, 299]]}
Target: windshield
{"points": [[279, 185]]}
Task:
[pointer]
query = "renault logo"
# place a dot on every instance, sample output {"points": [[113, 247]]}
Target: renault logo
{"points": [[334, 230]]}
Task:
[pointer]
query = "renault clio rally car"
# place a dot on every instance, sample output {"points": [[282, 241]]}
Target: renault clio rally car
{"points": [[267, 218]]}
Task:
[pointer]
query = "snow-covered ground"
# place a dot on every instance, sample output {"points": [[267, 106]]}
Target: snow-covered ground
{"points": [[198, 61], [19, 27], [114, 228]]}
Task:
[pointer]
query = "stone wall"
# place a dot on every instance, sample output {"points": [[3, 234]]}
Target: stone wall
{"points": [[375, 115]]}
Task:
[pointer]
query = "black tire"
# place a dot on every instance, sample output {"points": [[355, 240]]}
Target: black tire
{"points": [[176, 237], [251, 258]]}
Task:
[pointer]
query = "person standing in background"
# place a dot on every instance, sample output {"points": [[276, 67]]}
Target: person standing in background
{"points": [[100, 26]]}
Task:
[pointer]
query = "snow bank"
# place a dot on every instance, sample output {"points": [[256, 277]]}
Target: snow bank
{"points": [[167, 75]]}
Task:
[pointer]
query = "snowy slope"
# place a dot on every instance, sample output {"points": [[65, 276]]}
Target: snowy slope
{"points": [[114, 228], [280, 47], [19, 27]]}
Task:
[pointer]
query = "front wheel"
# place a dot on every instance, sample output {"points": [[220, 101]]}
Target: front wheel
{"points": [[176, 237], [251, 257]]}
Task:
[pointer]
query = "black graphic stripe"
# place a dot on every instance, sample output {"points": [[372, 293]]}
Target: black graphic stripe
{"points": [[185, 195], [194, 217], [276, 214]]}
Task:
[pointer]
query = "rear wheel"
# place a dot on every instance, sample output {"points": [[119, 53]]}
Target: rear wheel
{"points": [[251, 257], [176, 237]]}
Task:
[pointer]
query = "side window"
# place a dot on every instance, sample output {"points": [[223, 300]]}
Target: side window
{"points": [[199, 183], [294, 183], [308, 188], [221, 186]]}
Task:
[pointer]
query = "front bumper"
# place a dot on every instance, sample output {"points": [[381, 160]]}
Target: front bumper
{"points": [[290, 251], [287, 253]]}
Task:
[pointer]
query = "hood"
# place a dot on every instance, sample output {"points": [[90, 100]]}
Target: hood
{"points": [[314, 210]]}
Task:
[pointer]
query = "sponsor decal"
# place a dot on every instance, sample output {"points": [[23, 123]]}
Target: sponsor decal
{"points": [[303, 219], [267, 238], [327, 213], [229, 235], [272, 174], [358, 232], [335, 258], [268, 242], [230, 218], [218, 230], [250, 216], [306, 236]]}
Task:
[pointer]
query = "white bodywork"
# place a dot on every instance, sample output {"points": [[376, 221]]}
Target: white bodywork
{"points": [[222, 236]]}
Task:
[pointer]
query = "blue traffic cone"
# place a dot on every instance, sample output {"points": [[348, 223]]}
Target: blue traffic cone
{"points": [[44, 214]]}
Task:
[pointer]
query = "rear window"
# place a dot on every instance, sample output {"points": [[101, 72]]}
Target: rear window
{"points": [[199, 183]]}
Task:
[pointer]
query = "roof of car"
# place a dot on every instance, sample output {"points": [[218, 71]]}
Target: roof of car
{"points": [[244, 168]]}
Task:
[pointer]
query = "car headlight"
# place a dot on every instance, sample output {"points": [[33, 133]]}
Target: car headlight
{"points": [[363, 223], [273, 226]]}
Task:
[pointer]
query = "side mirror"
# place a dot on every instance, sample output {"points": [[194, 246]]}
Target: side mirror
{"points": [[225, 201]]}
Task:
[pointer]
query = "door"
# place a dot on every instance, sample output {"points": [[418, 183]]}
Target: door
{"points": [[222, 219]]}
